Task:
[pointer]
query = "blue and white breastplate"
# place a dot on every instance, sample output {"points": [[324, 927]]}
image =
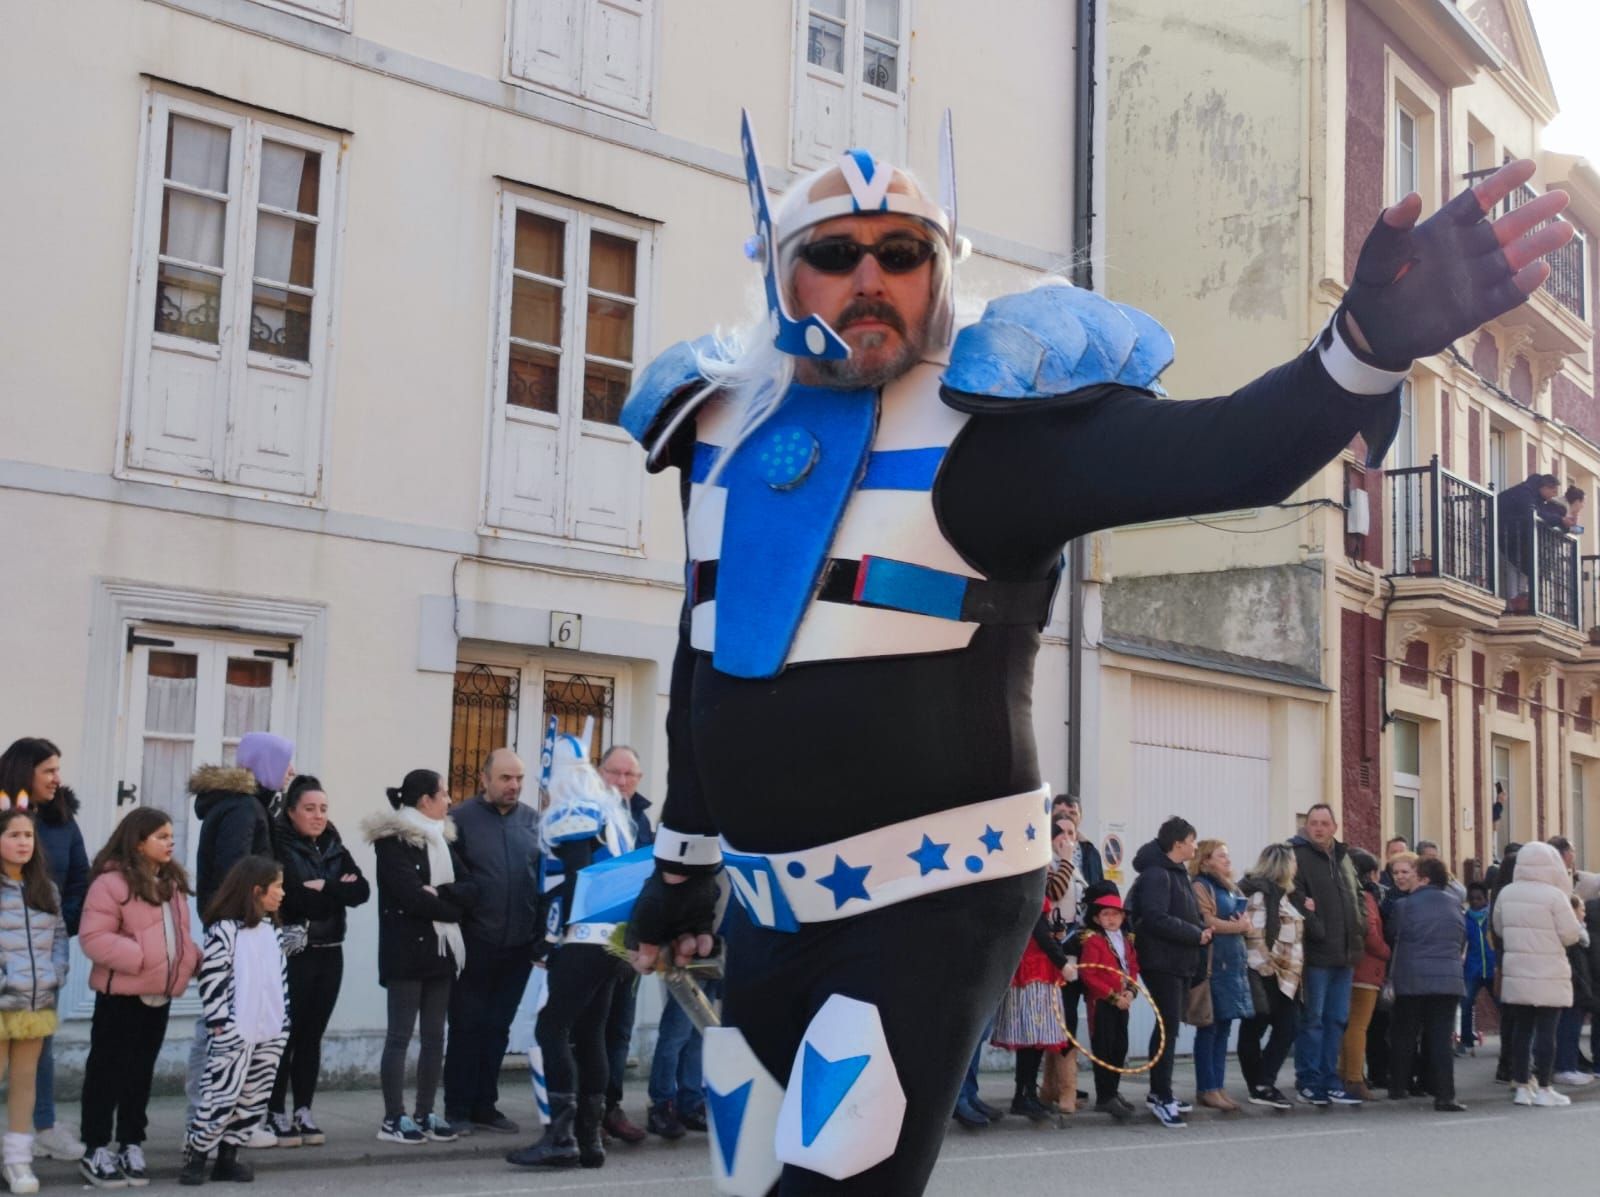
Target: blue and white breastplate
{"points": [[818, 540]]}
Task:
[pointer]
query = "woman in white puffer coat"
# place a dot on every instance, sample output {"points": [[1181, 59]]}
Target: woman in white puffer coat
{"points": [[1534, 924]]}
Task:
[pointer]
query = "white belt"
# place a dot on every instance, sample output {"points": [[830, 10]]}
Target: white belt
{"points": [[982, 842]]}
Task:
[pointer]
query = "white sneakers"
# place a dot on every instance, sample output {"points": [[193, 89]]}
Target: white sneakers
{"points": [[1528, 1095], [60, 1142], [17, 1167], [1574, 1079], [262, 1136], [20, 1178]]}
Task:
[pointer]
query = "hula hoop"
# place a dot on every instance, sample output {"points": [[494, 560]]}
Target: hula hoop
{"points": [[1161, 1027]]}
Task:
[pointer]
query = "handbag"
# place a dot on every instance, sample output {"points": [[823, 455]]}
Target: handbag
{"points": [[1197, 1009]]}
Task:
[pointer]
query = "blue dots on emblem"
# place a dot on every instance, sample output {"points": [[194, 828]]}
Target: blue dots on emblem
{"points": [[787, 456], [974, 864], [796, 869]]}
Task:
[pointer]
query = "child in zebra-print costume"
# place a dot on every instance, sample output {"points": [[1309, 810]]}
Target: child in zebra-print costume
{"points": [[244, 992]]}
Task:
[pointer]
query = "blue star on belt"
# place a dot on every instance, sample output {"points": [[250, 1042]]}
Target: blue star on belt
{"points": [[846, 882], [930, 856], [1032, 833], [991, 839]]}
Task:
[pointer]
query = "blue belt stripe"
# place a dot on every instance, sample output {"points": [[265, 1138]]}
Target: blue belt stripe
{"points": [[888, 469]]}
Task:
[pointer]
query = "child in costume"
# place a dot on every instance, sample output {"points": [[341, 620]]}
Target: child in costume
{"points": [[33, 967], [244, 989], [1110, 994], [1030, 1020]]}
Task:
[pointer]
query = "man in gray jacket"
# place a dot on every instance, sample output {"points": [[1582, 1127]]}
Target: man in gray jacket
{"points": [[1328, 892], [497, 838]]}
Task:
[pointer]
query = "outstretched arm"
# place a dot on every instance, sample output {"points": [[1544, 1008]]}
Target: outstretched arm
{"points": [[1111, 455]]}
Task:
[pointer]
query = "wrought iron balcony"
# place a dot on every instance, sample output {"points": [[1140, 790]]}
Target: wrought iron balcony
{"points": [[1569, 275], [1441, 526], [1539, 571]]}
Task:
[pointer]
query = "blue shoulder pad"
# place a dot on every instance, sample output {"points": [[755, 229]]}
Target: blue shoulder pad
{"points": [[1050, 341], [676, 368]]}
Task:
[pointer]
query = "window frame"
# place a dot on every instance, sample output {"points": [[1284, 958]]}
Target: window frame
{"points": [[568, 422], [1404, 88], [854, 59], [249, 130], [582, 94]]}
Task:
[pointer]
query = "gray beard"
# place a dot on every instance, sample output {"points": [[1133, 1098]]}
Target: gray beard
{"points": [[849, 374]]}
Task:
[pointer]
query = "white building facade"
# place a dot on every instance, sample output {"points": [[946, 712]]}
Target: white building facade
{"points": [[308, 415]]}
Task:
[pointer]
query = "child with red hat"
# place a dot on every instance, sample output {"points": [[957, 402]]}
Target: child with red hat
{"points": [[1110, 994]]}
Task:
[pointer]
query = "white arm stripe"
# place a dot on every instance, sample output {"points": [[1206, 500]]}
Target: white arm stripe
{"points": [[1353, 374]]}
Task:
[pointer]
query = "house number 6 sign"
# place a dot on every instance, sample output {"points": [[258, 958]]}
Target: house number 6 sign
{"points": [[566, 630]]}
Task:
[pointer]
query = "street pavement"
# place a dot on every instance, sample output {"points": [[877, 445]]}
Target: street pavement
{"points": [[1316, 1153]]}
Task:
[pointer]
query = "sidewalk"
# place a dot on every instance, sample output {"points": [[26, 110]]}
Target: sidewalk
{"points": [[351, 1117]]}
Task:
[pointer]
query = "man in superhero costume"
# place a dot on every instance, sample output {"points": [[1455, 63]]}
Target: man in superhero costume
{"points": [[875, 516]]}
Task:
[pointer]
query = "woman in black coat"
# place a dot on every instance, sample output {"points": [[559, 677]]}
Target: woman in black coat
{"points": [[420, 949], [1429, 935], [321, 880]]}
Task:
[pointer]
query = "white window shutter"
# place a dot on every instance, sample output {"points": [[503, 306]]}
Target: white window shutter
{"points": [[545, 42], [174, 425], [618, 45], [271, 444], [605, 490], [530, 478], [821, 119]]}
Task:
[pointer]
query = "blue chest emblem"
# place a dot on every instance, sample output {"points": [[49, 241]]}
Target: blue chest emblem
{"points": [[788, 487]]}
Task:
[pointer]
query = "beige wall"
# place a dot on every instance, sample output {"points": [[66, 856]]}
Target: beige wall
{"points": [[393, 556]]}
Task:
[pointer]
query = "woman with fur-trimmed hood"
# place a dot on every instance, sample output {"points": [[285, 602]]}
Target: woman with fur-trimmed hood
{"points": [[420, 948]]}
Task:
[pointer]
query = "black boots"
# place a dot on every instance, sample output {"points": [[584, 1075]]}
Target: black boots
{"points": [[229, 1167], [591, 1112], [1026, 1102], [559, 1147], [194, 1167]]}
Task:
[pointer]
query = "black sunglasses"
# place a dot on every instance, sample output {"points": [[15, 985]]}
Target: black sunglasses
{"points": [[898, 253]]}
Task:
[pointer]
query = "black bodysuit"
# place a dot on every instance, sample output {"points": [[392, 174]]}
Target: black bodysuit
{"points": [[829, 749]]}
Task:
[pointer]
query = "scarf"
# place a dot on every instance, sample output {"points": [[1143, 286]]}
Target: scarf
{"points": [[441, 871], [258, 1006]]}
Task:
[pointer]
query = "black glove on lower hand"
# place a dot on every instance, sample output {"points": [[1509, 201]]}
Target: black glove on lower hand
{"points": [[663, 912]]}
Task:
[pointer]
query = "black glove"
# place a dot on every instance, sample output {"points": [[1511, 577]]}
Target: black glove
{"points": [[1416, 290], [662, 912]]}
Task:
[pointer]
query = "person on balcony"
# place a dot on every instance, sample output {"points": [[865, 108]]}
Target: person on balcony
{"points": [[1516, 508]]}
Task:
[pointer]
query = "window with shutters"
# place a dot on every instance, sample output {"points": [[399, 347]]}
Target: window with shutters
{"points": [[232, 306], [602, 51], [570, 333], [850, 79]]}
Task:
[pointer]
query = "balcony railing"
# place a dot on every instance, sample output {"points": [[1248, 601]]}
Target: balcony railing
{"points": [[1547, 556], [1568, 281], [1441, 525]]}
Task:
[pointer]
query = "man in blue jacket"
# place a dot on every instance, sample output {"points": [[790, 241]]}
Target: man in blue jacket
{"points": [[497, 837]]}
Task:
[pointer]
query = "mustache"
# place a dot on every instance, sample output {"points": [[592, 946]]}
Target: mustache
{"points": [[872, 309]]}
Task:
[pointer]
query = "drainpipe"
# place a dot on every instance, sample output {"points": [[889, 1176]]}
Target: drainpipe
{"points": [[1082, 276]]}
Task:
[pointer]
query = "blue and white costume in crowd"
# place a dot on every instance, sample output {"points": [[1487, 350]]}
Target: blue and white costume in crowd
{"points": [[850, 728], [584, 823]]}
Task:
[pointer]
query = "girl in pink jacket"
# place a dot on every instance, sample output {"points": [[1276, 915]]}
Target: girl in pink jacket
{"points": [[135, 931]]}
